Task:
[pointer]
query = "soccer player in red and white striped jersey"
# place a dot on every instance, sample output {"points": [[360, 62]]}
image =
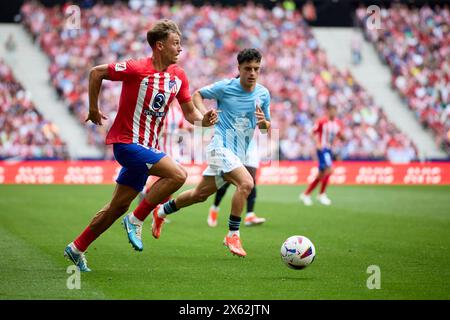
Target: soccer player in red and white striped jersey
{"points": [[149, 86], [325, 131]]}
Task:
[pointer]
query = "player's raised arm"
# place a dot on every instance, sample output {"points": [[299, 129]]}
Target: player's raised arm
{"points": [[96, 76], [197, 98]]}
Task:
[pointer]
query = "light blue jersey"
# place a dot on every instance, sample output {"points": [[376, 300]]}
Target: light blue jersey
{"points": [[237, 119]]}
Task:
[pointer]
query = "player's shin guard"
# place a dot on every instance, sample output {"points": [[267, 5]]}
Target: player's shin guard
{"points": [[85, 239]]}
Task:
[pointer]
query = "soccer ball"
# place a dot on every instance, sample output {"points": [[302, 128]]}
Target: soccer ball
{"points": [[298, 252]]}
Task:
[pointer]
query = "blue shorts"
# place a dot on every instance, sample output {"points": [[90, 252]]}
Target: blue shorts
{"points": [[325, 159], [136, 161]]}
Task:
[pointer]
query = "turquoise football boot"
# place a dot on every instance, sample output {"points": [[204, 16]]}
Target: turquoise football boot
{"points": [[134, 232], [77, 258]]}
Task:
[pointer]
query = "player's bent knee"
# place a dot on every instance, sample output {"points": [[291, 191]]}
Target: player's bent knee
{"points": [[180, 176], [246, 187], [200, 196]]}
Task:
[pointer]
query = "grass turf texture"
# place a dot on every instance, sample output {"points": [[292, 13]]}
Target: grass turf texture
{"points": [[403, 230]]}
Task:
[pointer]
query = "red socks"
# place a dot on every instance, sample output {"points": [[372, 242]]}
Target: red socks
{"points": [[143, 209], [312, 186], [316, 181], [85, 239], [324, 183]]}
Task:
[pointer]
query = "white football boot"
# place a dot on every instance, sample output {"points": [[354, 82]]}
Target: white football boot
{"points": [[323, 199], [306, 199]]}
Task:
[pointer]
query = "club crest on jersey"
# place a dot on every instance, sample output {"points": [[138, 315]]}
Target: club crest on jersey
{"points": [[173, 86], [121, 66]]}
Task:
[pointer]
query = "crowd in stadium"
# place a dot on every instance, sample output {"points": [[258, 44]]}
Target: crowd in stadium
{"points": [[25, 134], [415, 43], [295, 68]]}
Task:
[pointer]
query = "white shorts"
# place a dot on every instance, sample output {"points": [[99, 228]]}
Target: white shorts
{"points": [[221, 160]]}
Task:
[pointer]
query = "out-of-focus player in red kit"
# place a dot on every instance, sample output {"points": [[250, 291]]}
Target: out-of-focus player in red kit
{"points": [[149, 86], [325, 131]]}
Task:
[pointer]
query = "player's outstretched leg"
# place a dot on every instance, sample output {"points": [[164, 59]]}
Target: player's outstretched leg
{"points": [[172, 177], [200, 193], [243, 181], [121, 200], [214, 209]]}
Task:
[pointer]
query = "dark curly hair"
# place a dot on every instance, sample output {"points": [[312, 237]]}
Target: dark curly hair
{"points": [[247, 55]]}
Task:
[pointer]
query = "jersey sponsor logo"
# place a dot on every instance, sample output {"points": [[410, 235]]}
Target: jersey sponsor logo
{"points": [[121, 66], [158, 101], [149, 112]]}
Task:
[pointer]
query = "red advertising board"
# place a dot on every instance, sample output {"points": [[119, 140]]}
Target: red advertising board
{"points": [[283, 172]]}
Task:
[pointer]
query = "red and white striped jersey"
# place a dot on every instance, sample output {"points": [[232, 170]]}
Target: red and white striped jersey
{"points": [[145, 100], [327, 130]]}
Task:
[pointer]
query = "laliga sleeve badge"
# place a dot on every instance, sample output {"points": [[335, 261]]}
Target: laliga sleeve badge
{"points": [[121, 66]]}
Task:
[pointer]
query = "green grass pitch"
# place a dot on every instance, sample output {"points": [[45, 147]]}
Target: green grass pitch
{"points": [[403, 230]]}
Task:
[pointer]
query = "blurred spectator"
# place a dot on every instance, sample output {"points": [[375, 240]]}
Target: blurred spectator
{"points": [[25, 133], [295, 68], [415, 43], [356, 47], [309, 11], [10, 43]]}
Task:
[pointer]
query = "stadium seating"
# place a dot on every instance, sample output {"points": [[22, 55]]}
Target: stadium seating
{"points": [[25, 134], [295, 69], [415, 43]]}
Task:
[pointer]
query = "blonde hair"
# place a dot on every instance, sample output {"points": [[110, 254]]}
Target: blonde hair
{"points": [[161, 31]]}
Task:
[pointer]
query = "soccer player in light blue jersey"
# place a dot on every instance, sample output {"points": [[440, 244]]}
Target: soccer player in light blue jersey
{"points": [[243, 105]]}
